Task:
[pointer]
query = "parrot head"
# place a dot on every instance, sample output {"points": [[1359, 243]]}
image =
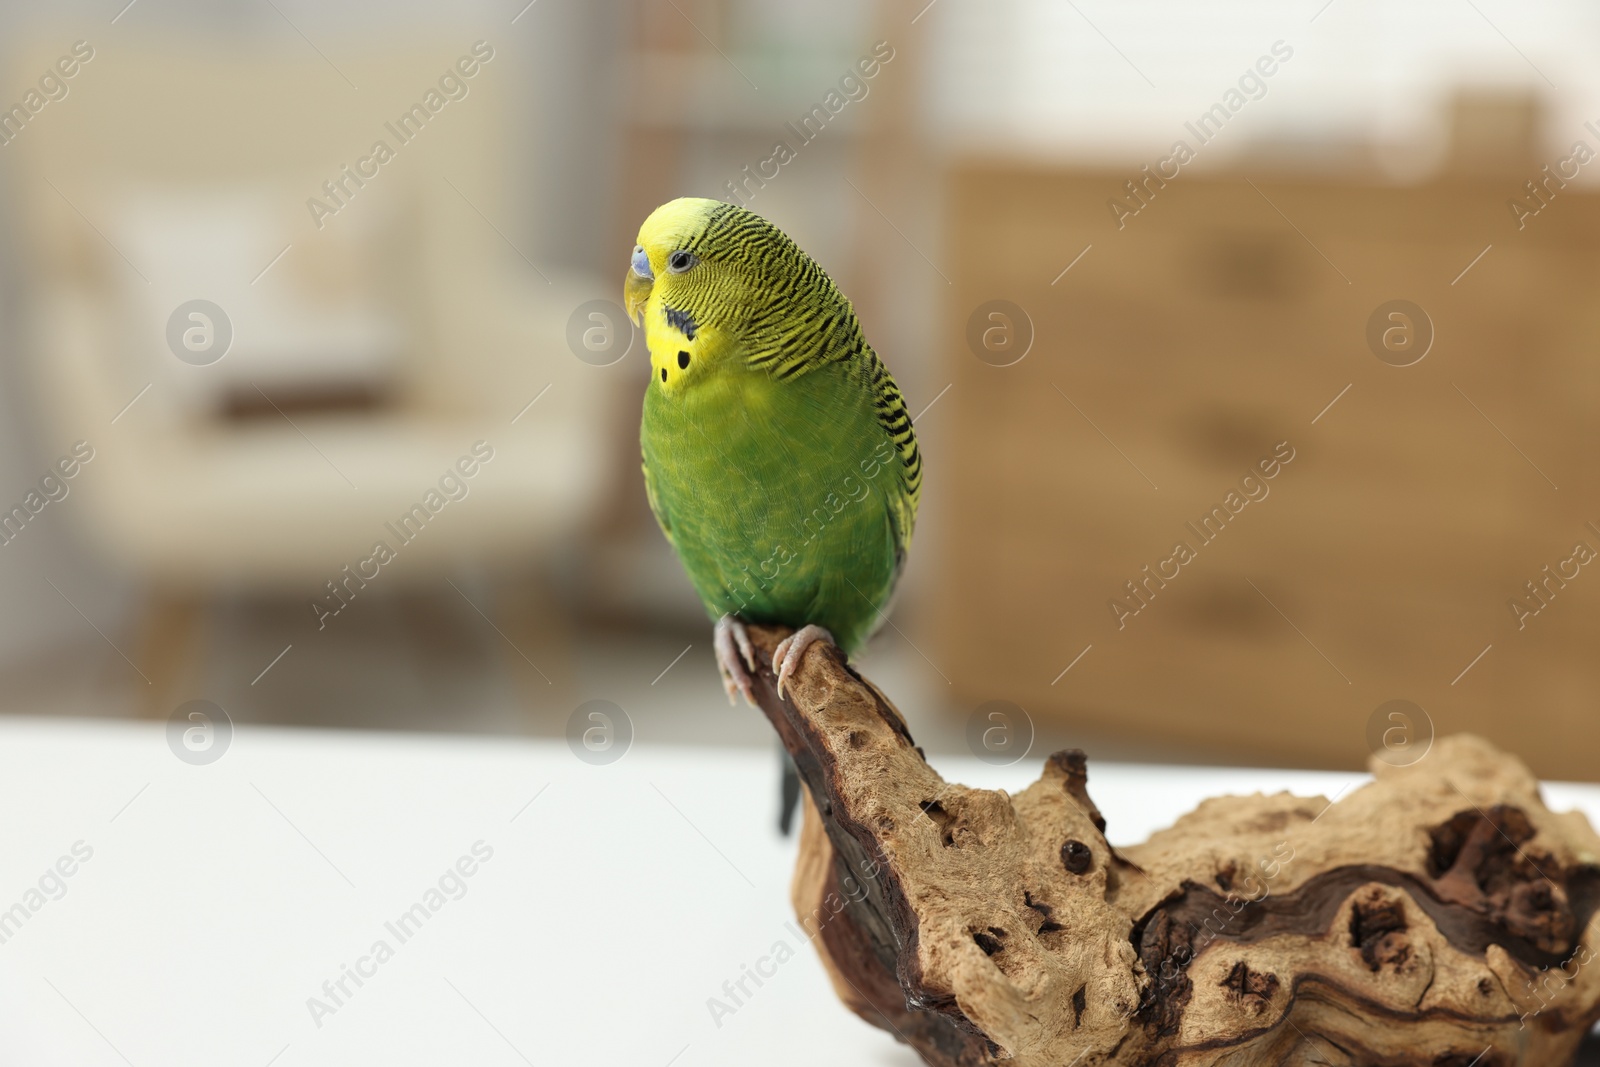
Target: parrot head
{"points": [[685, 289]]}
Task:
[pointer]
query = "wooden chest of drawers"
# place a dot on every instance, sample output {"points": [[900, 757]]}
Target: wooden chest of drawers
{"points": [[1216, 324]]}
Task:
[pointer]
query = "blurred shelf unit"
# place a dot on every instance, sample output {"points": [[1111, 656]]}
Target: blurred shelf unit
{"points": [[709, 75], [704, 104]]}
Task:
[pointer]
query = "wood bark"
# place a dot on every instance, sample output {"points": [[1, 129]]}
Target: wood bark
{"points": [[1440, 915]]}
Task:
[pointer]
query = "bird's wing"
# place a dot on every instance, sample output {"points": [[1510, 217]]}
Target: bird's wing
{"points": [[895, 420]]}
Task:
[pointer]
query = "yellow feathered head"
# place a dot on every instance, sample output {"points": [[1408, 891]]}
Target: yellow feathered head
{"points": [[682, 290]]}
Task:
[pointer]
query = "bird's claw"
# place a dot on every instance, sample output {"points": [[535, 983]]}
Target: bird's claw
{"points": [[736, 658], [786, 657]]}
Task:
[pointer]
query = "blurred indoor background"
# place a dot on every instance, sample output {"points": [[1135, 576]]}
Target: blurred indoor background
{"points": [[1369, 271]]}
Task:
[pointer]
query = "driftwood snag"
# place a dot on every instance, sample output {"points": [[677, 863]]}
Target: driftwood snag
{"points": [[1440, 916]]}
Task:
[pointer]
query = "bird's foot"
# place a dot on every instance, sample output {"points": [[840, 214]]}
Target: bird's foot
{"points": [[786, 658], [736, 658]]}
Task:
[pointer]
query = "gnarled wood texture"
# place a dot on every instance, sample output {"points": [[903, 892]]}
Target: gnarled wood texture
{"points": [[1439, 916]]}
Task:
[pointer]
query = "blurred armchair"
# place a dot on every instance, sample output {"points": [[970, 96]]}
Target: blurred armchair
{"points": [[371, 346]]}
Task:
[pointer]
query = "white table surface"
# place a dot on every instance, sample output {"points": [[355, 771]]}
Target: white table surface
{"points": [[221, 897]]}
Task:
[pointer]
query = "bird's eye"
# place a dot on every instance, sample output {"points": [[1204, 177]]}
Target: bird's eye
{"points": [[681, 261], [641, 262]]}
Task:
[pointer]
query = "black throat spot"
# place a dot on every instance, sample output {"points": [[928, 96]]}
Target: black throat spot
{"points": [[681, 320]]}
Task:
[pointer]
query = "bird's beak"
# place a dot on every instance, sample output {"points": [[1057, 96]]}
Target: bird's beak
{"points": [[635, 294]]}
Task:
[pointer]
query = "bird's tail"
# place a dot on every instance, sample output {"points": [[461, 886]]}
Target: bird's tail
{"points": [[788, 794]]}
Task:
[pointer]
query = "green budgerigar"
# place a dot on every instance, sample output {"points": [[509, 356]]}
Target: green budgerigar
{"points": [[779, 456]]}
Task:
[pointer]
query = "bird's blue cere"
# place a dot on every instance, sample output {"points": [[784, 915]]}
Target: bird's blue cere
{"points": [[641, 262]]}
